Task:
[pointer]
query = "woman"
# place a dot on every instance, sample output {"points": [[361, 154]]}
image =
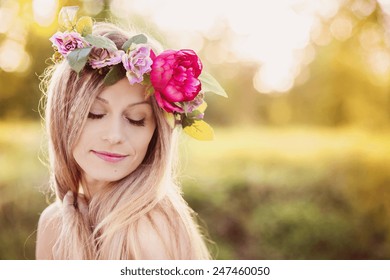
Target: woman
{"points": [[110, 116]]}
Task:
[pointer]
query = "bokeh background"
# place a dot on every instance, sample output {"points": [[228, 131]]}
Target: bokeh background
{"points": [[299, 168]]}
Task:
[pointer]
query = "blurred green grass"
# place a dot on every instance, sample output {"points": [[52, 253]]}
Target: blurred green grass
{"points": [[22, 179], [262, 193], [292, 193]]}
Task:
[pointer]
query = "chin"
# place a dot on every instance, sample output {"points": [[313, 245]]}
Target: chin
{"points": [[108, 177]]}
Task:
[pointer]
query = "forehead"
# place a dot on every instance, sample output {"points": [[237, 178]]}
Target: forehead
{"points": [[122, 93]]}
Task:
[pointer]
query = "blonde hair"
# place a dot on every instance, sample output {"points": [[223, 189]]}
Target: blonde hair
{"points": [[114, 212]]}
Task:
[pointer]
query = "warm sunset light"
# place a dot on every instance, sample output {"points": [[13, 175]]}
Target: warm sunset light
{"points": [[275, 34], [272, 33], [299, 165], [13, 57], [45, 11]]}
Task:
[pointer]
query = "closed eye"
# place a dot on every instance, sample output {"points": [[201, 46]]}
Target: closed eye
{"points": [[95, 116], [137, 122]]}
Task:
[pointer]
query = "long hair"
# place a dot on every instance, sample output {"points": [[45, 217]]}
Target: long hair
{"points": [[116, 211]]}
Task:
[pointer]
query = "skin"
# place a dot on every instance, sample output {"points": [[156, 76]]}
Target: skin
{"points": [[152, 245], [120, 122]]}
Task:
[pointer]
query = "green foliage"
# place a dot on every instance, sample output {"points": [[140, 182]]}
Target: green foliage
{"points": [[210, 84], [101, 42], [67, 18], [84, 26], [116, 73], [260, 193], [341, 88], [78, 58], [137, 39], [292, 194], [22, 180]]}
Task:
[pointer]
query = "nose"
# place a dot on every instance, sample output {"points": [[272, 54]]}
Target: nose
{"points": [[114, 133]]}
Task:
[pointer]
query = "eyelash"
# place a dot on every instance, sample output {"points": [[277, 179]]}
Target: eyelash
{"points": [[137, 123], [95, 116], [133, 122]]}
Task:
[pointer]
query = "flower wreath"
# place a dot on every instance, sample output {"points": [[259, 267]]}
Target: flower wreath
{"points": [[174, 77]]}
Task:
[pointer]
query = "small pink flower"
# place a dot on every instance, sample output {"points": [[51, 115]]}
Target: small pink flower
{"points": [[194, 104], [137, 63], [65, 42], [100, 58], [174, 77]]}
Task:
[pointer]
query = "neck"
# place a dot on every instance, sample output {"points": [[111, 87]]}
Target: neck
{"points": [[90, 187]]}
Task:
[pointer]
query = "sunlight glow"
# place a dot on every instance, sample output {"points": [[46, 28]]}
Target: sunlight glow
{"points": [[45, 11], [13, 57], [363, 8], [380, 62], [93, 7], [8, 13], [326, 8], [370, 37], [341, 28], [273, 34], [385, 4]]}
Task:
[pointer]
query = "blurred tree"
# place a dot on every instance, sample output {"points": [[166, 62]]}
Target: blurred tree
{"points": [[348, 82], [19, 83]]}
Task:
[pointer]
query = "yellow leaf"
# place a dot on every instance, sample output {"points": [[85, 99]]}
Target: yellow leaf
{"points": [[84, 26], [67, 17], [202, 107], [170, 118], [200, 130]]}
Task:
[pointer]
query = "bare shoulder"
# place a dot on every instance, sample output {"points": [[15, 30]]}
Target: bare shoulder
{"points": [[48, 232], [159, 236]]}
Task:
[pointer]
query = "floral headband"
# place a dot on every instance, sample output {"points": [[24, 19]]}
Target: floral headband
{"points": [[174, 77]]}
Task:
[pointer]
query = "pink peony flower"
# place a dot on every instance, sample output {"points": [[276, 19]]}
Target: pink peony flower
{"points": [[174, 77], [100, 58], [137, 63], [65, 42]]}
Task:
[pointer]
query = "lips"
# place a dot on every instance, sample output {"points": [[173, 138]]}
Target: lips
{"points": [[109, 157]]}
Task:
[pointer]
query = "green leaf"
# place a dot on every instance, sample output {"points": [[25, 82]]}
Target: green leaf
{"points": [[84, 26], [116, 73], [194, 114], [149, 91], [149, 88], [185, 121], [200, 130], [137, 39], [78, 58], [67, 18], [101, 42], [146, 81], [200, 110], [210, 84]]}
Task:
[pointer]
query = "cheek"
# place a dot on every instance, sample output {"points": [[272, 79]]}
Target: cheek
{"points": [[77, 151], [142, 141], [81, 145]]}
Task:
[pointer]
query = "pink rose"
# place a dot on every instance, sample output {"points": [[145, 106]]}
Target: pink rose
{"points": [[100, 58], [68, 41], [174, 77], [137, 63]]}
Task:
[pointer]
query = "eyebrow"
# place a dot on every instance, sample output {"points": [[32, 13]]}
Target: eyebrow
{"points": [[131, 105]]}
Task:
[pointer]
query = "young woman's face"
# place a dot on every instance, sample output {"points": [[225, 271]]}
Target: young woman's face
{"points": [[116, 135]]}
